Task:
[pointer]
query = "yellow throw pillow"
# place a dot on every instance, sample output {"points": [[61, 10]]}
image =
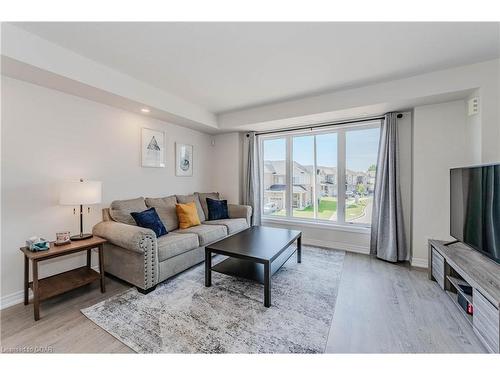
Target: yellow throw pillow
{"points": [[187, 215]]}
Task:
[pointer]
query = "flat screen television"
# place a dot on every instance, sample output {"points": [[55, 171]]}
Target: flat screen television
{"points": [[475, 208]]}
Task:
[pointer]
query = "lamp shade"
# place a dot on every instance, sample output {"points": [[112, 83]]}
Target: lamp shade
{"points": [[80, 192]]}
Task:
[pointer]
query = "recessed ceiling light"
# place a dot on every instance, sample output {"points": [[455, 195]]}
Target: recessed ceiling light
{"points": [[145, 110]]}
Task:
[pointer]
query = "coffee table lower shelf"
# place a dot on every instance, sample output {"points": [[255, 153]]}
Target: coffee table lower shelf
{"points": [[251, 270]]}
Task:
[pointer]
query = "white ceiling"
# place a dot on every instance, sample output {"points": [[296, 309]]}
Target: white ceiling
{"points": [[229, 66]]}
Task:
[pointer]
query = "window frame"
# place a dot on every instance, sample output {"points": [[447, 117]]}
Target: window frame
{"points": [[340, 130]]}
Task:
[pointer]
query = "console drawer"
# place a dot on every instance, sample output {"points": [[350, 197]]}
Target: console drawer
{"points": [[438, 267], [486, 321]]}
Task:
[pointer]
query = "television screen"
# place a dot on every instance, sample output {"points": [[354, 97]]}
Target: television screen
{"points": [[475, 208]]}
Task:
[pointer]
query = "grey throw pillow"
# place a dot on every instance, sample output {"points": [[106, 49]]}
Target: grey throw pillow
{"points": [[120, 210], [203, 200], [165, 207]]}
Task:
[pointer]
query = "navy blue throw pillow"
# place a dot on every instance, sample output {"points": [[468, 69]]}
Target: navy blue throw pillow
{"points": [[217, 209], [150, 219]]}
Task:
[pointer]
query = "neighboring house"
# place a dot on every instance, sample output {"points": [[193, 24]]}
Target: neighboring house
{"points": [[354, 179], [327, 181], [302, 179], [276, 194], [371, 179], [275, 184]]}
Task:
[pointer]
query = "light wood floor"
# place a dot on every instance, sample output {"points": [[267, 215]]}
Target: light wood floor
{"points": [[381, 308], [62, 326], [387, 308]]}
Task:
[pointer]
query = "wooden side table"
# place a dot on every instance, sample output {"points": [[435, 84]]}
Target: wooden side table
{"points": [[57, 284]]}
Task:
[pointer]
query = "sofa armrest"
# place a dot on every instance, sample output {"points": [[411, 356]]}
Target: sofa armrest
{"points": [[127, 236], [131, 252], [240, 211]]}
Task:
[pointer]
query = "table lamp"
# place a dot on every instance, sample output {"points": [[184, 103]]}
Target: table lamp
{"points": [[80, 193]]}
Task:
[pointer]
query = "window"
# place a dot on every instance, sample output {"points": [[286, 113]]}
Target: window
{"points": [[302, 172], [361, 159], [275, 177], [321, 175], [326, 175]]}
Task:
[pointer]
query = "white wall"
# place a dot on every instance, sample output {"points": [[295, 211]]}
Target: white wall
{"points": [[473, 130], [489, 97], [226, 169], [441, 141], [313, 234], [48, 137]]}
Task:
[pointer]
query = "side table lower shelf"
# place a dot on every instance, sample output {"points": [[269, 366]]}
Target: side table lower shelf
{"points": [[64, 282]]}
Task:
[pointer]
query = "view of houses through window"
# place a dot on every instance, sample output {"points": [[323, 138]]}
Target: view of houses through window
{"points": [[302, 184], [303, 172]]}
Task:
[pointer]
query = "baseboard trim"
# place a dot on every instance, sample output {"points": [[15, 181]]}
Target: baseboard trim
{"points": [[18, 297], [419, 262], [13, 299], [337, 245]]}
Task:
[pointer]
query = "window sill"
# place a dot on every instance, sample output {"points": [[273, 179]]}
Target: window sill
{"points": [[317, 224]]}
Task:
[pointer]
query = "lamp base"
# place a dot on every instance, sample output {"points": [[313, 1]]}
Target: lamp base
{"points": [[81, 236]]}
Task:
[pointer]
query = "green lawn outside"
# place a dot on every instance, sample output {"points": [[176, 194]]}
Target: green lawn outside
{"points": [[279, 213], [328, 207], [354, 210]]}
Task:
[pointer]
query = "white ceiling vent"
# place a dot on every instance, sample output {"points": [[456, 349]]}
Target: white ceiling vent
{"points": [[473, 106]]}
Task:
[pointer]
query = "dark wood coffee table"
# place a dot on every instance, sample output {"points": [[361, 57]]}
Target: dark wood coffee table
{"points": [[255, 254]]}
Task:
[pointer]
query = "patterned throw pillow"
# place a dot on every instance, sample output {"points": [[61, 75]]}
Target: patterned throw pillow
{"points": [[150, 219], [187, 215], [217, 209]]}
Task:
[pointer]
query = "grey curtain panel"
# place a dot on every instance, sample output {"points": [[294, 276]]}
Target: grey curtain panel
{"points": [[387, 231], [251, 194]]}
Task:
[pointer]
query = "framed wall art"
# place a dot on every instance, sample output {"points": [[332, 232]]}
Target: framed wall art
{"points": [[183, 159], [153, 148]]}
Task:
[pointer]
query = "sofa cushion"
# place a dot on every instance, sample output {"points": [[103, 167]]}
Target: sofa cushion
{"points": [[174, 244], [193, 198], [165, 207], [203, 201], [232, 225], [217, 210], [206, 233], [120, 210], [150, 219]]}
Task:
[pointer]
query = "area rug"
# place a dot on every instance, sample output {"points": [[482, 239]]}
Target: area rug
{"points": [[183, 316]]}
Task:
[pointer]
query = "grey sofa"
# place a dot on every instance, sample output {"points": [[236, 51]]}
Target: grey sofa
{"points": [[136, 255]]}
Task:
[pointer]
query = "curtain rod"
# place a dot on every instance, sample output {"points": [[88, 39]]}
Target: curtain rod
{"points": [[321, 125]]}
